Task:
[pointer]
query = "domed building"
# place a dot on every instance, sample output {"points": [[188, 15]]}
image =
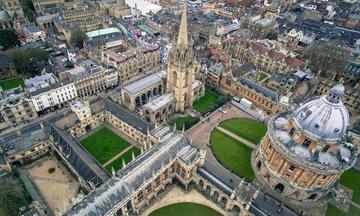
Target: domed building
{"points": [[304, 153]]}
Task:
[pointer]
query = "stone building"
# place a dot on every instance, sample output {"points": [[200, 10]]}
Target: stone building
{"points": [[160, 109], [116, 8], [236, 83], [138, 93], [304, 153], [12, 16], [16, 107], [133, 64], [182, 69], [91, 80], [265, 58]]}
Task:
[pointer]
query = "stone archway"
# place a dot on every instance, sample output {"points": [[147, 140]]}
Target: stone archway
{"points": [[280, 187]]}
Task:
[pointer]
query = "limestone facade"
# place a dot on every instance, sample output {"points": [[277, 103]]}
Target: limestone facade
{"points": [[302, 156], [133, 65]]}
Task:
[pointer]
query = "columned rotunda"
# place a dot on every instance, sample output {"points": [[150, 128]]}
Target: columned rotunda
{"points": [[304, 153]]}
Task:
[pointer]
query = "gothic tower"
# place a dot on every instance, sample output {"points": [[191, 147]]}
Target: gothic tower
{"points": [[181, 68]]}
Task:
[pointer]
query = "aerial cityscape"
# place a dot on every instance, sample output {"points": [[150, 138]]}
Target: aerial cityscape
{"points": [[179, 107]]}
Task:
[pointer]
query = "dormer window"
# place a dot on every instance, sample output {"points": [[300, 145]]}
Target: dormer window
{"points": [[306, 143]]}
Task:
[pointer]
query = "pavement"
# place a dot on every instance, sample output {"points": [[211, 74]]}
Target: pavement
{"points": [[240, 139], [199, 134]]}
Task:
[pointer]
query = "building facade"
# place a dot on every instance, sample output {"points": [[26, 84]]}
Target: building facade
{"points": [[133, 65], [304, 153], [16, 107]]}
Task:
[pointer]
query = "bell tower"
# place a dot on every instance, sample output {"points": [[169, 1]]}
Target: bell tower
{"points": [[181, 70]]}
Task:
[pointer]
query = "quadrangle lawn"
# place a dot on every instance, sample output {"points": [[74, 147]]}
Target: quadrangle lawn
{"points": [[184, 209], [11, 83], [248, 129], [209, 101], [104, 144], [127, 156], [233, 154]]}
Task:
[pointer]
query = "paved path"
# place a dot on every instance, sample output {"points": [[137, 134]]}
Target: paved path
{"points": [[200, 133], [116, 156], [248, 143]]}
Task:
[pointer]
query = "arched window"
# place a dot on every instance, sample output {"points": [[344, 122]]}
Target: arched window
{"points": [[174, 81]]}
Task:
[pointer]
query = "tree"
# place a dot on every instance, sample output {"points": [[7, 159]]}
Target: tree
{"points": [[8, 38], [327, 57], [78, 38], [272, 35], [12, 195], [30, 60]]}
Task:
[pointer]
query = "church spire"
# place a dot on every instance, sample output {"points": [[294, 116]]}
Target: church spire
{"points": [[183, 33]]}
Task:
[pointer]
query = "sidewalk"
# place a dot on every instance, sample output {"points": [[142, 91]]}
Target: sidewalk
{"points": [[232, 135]]}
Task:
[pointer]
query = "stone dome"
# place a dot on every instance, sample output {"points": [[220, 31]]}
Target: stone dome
{"points": [[324, 117]]}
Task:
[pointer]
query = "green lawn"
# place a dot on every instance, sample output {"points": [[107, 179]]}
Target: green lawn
{"points": [[104, 144], [233, 154], [248, 129], [349, 180], [209, 102], [11, 83], [187, 120], [262, 76], [185, 209], [117, 164]]}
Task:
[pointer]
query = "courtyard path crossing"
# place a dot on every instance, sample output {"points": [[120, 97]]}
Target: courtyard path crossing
{"points": [[118, 155], [232, 135]]}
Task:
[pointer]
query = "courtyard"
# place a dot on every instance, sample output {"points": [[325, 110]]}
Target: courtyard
{"points": [[109, 148], [232, 154], [11, 83], [209, 102], [54, 182]]}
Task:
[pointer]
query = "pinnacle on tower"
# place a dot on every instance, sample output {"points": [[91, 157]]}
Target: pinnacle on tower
{"points": [[183, 34]]}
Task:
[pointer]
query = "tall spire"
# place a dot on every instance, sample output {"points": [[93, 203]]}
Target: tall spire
{"points": [[183, 34]]}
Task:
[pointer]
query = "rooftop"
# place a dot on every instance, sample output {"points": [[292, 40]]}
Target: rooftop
{"points": [[159, 102], [145, 82]]}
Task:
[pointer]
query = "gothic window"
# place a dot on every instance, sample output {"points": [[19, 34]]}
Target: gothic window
{"points": [[174, 78], [306, 143], [228, 81]]}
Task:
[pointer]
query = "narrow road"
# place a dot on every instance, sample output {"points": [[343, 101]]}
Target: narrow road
{"points": [[246, 142]]}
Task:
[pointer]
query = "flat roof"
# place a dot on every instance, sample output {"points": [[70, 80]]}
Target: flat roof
{"points": [[160, 101], [144, 83], [101, 32]]}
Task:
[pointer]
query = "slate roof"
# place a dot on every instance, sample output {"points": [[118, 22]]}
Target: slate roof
{"points": [[120, 187], [260, 89]]}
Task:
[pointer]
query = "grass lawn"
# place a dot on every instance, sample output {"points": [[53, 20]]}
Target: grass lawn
{"points": [[117, 164], [185, 209], [11, 83], [104, 144], [262, 76], [209, 102], [233, 154], [187, 120], [248, 129], [349, 180]]}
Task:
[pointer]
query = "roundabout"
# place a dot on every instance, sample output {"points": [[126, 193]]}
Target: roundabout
{"points": [[183, 209]]}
